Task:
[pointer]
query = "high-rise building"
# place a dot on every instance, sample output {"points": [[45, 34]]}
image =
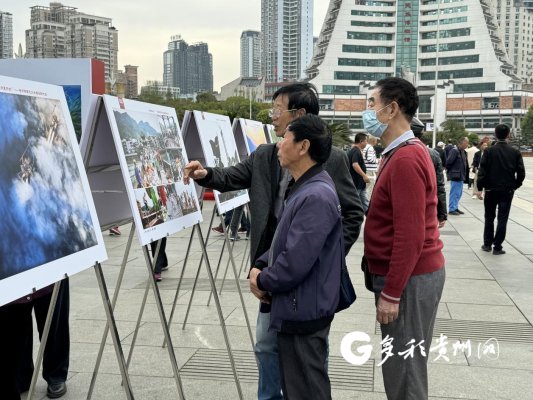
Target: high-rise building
{"points": [[130, 71], [60, 31], [515, 20], [251, 54], [188, 67], [6, 35], [286, 39], [454, 48]]}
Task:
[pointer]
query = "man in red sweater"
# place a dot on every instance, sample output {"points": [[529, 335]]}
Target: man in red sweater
{"points": [[402, 244]]}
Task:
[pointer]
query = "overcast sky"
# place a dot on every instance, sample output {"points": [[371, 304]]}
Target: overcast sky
{"points": [[144, 28]]}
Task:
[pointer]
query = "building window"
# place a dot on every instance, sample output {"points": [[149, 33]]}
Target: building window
{"points": [[450, 10], [449, 47], [446, 21], [451, 60], [475, 87], [369, 36], [457, 74], [517, 102], [373, 3], [372, 13], [351, 48], [358, 62], [340, 89], [490, 122], [446, 33], [472, 123], [367, 76], [372, 24], [424, 104], [491, 103]]}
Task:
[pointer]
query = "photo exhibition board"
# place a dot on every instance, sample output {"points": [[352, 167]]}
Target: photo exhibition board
{"points": [[103, 171], [50, 226], [79, 78], [219, 150], [252, 132], [270, 134], [152, 158]]}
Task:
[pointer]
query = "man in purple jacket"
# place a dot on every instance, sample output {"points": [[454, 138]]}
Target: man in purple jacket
{"points": [[300, 274]]}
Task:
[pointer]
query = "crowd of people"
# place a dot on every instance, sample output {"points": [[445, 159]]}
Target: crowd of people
{"points": [[308, 201]]}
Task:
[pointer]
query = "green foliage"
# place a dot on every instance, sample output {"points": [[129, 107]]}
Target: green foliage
{"points": [[340, 133], [526, 127], [454, 130], [262, 116], [206, 98]]}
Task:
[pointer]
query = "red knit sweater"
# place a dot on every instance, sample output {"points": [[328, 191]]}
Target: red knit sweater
{"points": [[401, 230]]}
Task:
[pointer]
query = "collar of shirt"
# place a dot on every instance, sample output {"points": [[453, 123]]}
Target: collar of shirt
{"points": [[399, 140]]}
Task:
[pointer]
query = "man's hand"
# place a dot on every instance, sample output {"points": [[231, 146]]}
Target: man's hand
{"points": [[366, 179], [480, 195], [261, 295], [442, 223], [386, 312], [193, 170]]}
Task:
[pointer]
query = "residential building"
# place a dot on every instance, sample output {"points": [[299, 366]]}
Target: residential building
{"points": [[6, 35], [130, 71], [60, 31], [286, 39], [251, 54], [248, 87], [188, 67], [448, 47]]}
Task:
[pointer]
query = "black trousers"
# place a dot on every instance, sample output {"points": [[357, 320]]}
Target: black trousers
{"points": [[501, 200], [16, 341], [162, 260], [302, 360]]}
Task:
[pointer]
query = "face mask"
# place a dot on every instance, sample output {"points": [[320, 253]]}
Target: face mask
{"points": [[371, 123]]}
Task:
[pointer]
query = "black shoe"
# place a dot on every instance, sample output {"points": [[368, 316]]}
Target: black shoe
{"points": [[486, 248], [459, 211], [498, 252], [455, 212], [56, 390]]}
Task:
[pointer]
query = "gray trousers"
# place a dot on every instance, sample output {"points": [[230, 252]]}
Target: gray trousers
{"points": [[303, 367], [407, 378]]}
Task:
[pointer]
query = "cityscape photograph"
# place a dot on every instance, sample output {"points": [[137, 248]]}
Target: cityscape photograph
{"points": [[413, 187]]}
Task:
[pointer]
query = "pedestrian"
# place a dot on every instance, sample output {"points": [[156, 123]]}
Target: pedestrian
{"points": [[402, 245], [448, 147], [457, 172], [300, 274], [475, 168], [358, 168], [470, 153], [501, 172], [371, 163], [267, 183], [440, 149]]}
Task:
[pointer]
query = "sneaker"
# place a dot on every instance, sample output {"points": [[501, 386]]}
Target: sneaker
{"points": [[242, 230], [459, 211], [455, 212], [164, 268], [486, 248], [474, 197], [114, 231], [235, 238], [158, 277], [498, 252], [218, 229]]}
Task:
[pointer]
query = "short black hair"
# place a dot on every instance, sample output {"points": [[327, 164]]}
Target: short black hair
{"points": [[502, 131], [461, 139], [300, 95], [360, 137], [402, 92], [312, 128]]}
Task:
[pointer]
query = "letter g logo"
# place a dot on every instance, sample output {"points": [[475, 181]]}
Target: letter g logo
{"points": [[364, 351]]}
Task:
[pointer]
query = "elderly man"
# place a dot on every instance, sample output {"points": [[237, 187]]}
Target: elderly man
{"points": [[302, 269], [402, 245], [267, 182], [457, 171]]}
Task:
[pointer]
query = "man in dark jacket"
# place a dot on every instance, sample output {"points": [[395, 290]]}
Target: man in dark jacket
{"points": [[267, 183], [457, 167], [302, 269], [501, 172]]}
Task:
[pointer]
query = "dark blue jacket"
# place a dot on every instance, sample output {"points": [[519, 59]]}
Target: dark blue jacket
{"points": [[457, 165], [304, 262]]}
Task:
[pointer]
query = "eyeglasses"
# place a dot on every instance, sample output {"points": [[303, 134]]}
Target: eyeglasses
{"points": [[276, 112]]}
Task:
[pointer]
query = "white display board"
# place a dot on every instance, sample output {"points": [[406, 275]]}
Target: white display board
{"points": [[270, 134], [152, 158], [253, 133], [209, 139], [50, 227]]}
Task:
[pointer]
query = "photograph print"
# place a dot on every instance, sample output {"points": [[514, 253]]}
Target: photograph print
{"points": [[48, 212], [220, 150], [153, 158], [254, 134]]}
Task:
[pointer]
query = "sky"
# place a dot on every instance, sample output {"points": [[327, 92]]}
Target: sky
{"points": [[145, 27]]}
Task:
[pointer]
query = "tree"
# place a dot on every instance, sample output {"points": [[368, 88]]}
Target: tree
{"points": [[262, 116], [526, 126], [454, 130], [340, 133], [206, 98]]}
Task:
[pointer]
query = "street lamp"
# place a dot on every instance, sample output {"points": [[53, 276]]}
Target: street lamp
{"points": [[434, 140]]}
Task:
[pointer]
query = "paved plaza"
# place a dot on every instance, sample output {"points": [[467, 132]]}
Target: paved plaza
{"points": [[487, 307]]}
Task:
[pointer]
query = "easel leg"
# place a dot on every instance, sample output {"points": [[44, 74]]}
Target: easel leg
{"points": [[220, 315], [114, 333], [113, 304], [44, 339]]}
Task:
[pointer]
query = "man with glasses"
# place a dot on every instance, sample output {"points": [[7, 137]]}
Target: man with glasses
{"points": [[268, 183]]}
